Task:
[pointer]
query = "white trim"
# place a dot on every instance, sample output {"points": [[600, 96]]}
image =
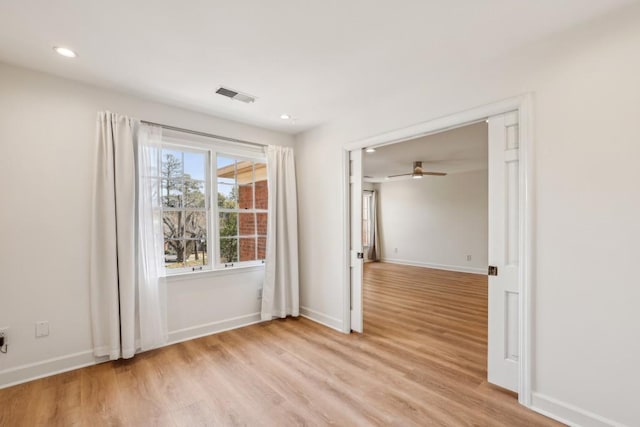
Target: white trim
{"points": [[440, 124], [346, 254], [191, 141], [526, 229], [202, 274], [522, 104], [458, 268], [568, 414], [205, 329], [45, 368], [323, 319]]}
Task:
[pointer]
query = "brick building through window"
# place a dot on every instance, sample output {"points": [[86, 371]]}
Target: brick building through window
{"points": [[251, 186]]}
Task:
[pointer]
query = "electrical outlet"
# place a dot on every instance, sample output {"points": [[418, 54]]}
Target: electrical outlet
{"points": [[260, 293], [468, 257], [4, 333], [395, 250], [42, 328]]}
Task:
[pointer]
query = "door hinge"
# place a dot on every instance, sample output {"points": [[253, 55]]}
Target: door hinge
{"points": [[493, 270]]}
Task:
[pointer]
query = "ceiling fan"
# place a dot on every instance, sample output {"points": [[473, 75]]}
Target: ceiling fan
{"points": [[418, 172]]}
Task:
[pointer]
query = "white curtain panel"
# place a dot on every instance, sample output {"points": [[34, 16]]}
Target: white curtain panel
{"points": [[280, 294], [151, 285], [113, 272]]}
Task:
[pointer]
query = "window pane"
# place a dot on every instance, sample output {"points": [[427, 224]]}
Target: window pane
{"points": [[195, 225], [261, 224], [228, 224], [194, 194], [228, 250], [247, 248], [227, 196], [226, 170], [241, 185], [174, 253], [172, 193], [171, 164], [172, 224], [365, 208], [195, 253], [244, 172], [262, 193], [194, 165], [262, 247], [247, 224], [260, 171], [245, 196]]}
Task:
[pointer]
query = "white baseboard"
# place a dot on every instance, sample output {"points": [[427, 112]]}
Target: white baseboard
{"points": [[458, 268], [198, 331], [568, 414], [45, 368], [323, 319]]}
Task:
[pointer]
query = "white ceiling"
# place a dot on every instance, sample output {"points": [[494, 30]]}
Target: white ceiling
{"points": [[313, 60], [455, 151]]}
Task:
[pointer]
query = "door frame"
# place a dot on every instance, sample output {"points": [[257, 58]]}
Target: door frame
{"points": [[524, 105]]}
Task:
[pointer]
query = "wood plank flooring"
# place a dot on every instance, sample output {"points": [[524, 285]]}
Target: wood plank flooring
{"points": [[421, 361]]}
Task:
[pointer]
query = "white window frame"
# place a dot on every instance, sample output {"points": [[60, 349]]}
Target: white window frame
{"points": [[214, 148]]}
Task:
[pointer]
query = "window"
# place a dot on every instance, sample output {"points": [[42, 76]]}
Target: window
{"points": [[185, 206], [203, 231], [242, 209], [366, 219]]}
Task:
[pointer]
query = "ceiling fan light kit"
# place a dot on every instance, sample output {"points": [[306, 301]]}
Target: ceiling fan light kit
{"points": [[418, 172]]}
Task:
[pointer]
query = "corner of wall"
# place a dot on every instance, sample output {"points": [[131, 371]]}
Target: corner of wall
{"points": [[321, 318]]}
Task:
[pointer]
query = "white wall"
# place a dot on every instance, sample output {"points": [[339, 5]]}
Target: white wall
{"points": [[47, 135], [587, 147], [436, 221]]}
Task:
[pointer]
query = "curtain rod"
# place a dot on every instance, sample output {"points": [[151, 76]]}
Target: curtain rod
{"points": [[208, 135]]}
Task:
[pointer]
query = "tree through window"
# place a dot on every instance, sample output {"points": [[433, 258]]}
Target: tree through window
{"points": [[185, 208], [214, 207]]}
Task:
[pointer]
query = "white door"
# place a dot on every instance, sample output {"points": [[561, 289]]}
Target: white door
{"points": [[355, 190], [504, 251]]}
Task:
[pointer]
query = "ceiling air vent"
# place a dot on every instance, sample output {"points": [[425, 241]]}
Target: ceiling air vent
{"points": [[233, 94]]}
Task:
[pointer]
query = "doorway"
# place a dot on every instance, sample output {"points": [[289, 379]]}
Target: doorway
{"points": [[509, 236]]}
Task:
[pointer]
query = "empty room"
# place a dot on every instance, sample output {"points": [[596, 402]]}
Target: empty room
{"points": [[319, 213]]}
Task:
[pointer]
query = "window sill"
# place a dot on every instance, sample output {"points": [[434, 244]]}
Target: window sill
{"points": [[191, 275]]}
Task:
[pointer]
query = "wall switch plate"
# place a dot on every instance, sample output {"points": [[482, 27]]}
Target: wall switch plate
{"points": [[42, 328]]}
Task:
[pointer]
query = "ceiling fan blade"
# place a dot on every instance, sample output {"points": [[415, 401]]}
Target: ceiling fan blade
{"points": [[402, 174], [434, 173]]}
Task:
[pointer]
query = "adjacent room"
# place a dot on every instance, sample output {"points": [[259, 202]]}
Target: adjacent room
{"points": [[425, 242], [319, 213]]}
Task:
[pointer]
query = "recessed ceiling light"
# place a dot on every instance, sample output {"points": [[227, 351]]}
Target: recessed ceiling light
{"points": [[285, 116], [370, 150], [65, 52]]}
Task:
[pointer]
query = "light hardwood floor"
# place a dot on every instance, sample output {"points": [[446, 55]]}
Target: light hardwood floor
{"points": [[421, 361]]}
